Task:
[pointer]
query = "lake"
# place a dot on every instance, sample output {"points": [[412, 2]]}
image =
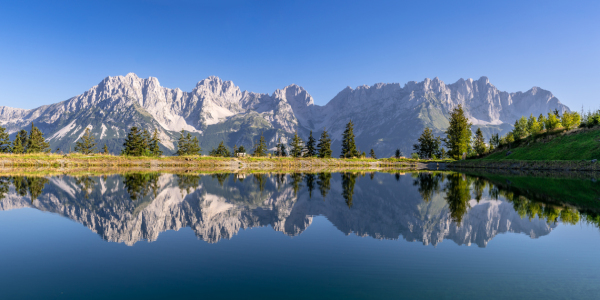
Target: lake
{"points": [[415, 235]]}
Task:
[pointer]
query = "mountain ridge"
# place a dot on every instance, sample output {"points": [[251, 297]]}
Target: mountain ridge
{"points": [[386, 115]]}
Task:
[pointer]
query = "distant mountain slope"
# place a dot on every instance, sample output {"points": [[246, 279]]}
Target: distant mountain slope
{"points": [[386, 116]]}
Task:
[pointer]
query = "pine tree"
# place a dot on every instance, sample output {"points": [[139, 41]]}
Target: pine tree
{"points": [[261, 147], [372, 154], [479, 143], [398, 153], [348, 144], [86, 144], [182, 145], [235, 151], [427, 145], [193, 146], [296, 146], [242, 149], [324, 145], [542, 120], [494, 141], [310, 146], [458, 134], [105, 150], [154, 145], [146, 140], [134, 144], [221, 151], [280, 151], [17, 145], [23, 136], [5, 144], [36, 142]]}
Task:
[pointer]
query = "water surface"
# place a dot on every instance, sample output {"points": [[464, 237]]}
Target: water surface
{"points": [[428, 235]]}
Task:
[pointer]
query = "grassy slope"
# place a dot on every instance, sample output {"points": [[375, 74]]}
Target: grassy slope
{"points": [[572, 146]]}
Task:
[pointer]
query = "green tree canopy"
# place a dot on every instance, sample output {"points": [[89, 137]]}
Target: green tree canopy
{"points": [[260, 149], [372, 154], [479, 143], [134, 143], [36, 142], [154, 144], [86, 144], [5, 144], [427, 145], [221, 151], [296, 145], [348, 144], [311, 149], [324, 145], [458, 134]]}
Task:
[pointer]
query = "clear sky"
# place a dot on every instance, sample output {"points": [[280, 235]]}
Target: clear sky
{"points": [[53, 50]]}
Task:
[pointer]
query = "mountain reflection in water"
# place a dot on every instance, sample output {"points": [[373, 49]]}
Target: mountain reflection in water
{"points": [[422, 206]]}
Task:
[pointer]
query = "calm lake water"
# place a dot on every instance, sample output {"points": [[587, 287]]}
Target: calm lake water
{"points": [[299, 236]]}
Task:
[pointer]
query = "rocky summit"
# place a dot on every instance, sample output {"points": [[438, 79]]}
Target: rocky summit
{"points": [[387, 116]]}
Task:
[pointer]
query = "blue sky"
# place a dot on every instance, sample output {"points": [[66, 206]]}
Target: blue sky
{"points": [[53, 50]]}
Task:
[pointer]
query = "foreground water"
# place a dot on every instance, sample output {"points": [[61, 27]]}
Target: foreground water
{"points": [[299, 236]]}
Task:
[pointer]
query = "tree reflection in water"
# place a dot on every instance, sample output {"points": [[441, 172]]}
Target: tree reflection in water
{"points": [[187, 183], [33, 185], [348, 181], [324, 183], [139, 185], [428, 184], [86, 183], [310, 183]]}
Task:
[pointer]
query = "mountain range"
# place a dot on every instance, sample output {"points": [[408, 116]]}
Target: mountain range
{"points": [[386, 116]]}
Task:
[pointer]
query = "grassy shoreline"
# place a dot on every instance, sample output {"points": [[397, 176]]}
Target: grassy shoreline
{"points": [[73, 162]]}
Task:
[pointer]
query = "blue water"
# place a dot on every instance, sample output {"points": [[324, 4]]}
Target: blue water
{"points": [[46, 255]]}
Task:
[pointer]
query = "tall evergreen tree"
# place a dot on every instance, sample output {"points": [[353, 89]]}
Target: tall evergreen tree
{"points": [[5, 144], [479, 143], [296, 145], [458, 134], [134, 144], [221, 151], [235, 151], [310, 146], [154, 145], [494, 141], [348, 144], [146, 140], [428, 145], [324, 145], [182, 144], [86, 144], [105, 150], [242, 149], [372, 154], [36, 142], [194, 145], [261, 147], [398, 153], [280, 151], [17, 147], [22, 136]]}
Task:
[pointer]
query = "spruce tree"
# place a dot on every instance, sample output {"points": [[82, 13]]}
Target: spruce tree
{"points": [[221, 151], [23, 136], [17, 145], [324, 145], [372, 154], [310, 146], [182, 145], [146, 140], [261, 147], [494, 141], [86, 144], [36, 142], [5, 144], [458, 134], [105, 151], [242, 149], [479, 143], [154, 145], [428, 146], [296, 146], [134, 144], [235, 151], [348, 144], [398, 153], [193, 145], [280, 151]]}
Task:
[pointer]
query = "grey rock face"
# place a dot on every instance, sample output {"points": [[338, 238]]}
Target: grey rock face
{"points": [[386, 116]]}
